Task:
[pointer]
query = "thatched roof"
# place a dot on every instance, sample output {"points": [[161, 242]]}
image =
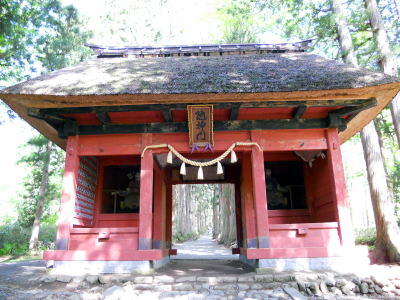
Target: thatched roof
{"points": [[262, 73], [210, 75]]}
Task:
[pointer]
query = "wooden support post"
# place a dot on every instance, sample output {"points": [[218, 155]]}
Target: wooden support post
{"points": [[339, 190], [248, 214], [68, 194], [159, 209], [146, 195], [169, 208], [238, 207], [259, 194]]}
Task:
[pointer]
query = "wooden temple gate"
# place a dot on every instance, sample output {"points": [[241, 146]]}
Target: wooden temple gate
{"points": [[280, 108], [320, 230]]}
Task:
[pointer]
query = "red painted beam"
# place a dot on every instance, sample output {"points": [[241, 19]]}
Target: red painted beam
{"points": [[292, 252], [121, 255], [146, 196], [338, 182], [270, 140], [326, 225], [109, 229], [118, 217], [288, 212]]}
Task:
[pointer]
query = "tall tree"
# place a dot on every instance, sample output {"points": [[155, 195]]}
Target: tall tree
{"points": [[43, 160], [38, 37], [27, 29], [388, 233], [387, 60], [44, 181]]}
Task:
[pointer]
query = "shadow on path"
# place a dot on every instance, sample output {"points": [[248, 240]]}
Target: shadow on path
{"points": [[200, 267], [203, 248]]}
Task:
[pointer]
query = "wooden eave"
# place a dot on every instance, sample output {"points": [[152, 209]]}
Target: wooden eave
{"points": [[382, 93]]}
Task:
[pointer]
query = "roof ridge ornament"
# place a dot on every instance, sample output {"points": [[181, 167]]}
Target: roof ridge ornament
{"points": [[103, 51]]}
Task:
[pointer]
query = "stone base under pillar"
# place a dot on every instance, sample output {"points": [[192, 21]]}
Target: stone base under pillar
{"points": [[107, 267], [358, 259]]}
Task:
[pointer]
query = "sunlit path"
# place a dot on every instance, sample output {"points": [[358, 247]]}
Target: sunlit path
{"points": [[203, 248]]}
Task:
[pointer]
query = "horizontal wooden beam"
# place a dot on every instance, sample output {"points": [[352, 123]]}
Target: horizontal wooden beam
{"points": [[167, 115], [103, 117], [351, 110], [234, 111], [182, 106], [335, 117], [218, 126], [299, 112]]}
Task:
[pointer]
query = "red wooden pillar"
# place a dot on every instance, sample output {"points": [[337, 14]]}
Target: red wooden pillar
{"points": [[339, 190], [159, 209], [146, 196], [68, 194], [169, 208], [259, 193], [238, 207], [248, 214]]}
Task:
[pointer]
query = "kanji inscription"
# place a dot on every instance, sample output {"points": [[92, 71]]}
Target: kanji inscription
{"points": [[200, 119]]}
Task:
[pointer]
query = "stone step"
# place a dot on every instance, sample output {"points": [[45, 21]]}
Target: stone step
{"points": [[278, 285]]}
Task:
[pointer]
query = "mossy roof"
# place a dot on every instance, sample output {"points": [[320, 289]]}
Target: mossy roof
{"points": [[258, 73]]}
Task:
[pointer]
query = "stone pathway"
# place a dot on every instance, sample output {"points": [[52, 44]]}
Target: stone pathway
{"points": [[204, 248]]}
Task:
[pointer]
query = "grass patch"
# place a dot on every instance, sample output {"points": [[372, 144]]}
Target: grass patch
{"points": [[14, 240], [366, 237]]}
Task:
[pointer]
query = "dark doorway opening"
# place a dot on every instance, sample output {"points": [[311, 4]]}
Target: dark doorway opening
{"points": [[121, 185], [285, 185]]}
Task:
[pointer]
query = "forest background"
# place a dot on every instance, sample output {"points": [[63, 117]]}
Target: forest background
{"points": [[41, 36]]}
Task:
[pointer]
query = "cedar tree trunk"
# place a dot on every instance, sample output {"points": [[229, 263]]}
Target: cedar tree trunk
{"points": [[33, 241], [388, 61], [387, 230], [388, 234]]}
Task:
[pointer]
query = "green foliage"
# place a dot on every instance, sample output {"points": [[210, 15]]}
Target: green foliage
{"points": [[34, 160], [239, 23], [133, 22], [38, 31], [365, 237], [13, 249], [14, 239], [66, 46]]}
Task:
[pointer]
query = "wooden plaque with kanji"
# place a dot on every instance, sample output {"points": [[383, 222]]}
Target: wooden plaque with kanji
{"points": [[200, 120]]}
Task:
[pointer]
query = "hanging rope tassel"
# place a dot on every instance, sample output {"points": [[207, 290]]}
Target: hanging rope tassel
{"points": [[233, 157], [200, 175], [169, 157], [183, 169], [219, 169]]}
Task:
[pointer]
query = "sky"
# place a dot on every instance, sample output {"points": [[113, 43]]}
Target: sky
{"points": [[13, 133]]}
